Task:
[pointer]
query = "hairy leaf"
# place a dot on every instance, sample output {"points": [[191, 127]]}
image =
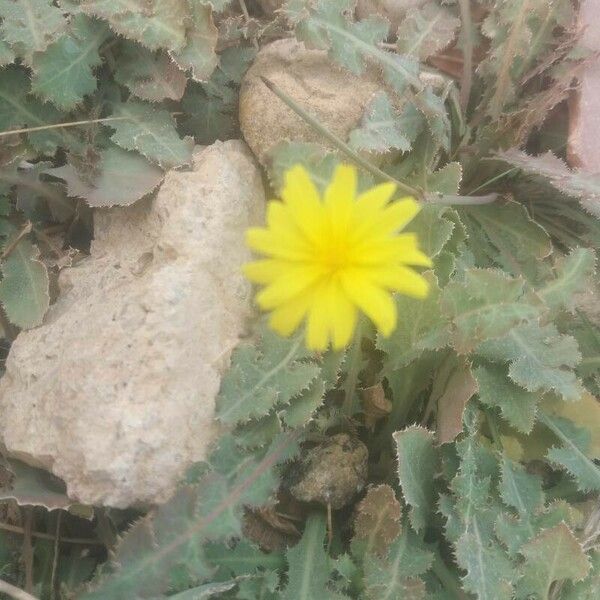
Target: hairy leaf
{"points": [[24, 285], [199, 54], [573, 273], [397, 575], [421, 327], [519, 489], [576, 184], [30, 25], [243, 558], [517, 406], [261, 377], [152, 133], [540, 359], [427, 30], [377, 522], [383, 128], [417, 464], [124, 177], [151, 76], [153, 23], [487, 304], [63, 73], [553, 555], [308, 564], [574, 453], [433, 227]]}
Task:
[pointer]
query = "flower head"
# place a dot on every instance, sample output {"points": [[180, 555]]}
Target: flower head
{"points": [[327, 258]]}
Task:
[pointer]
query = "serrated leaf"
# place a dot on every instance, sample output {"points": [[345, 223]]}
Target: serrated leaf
{"points": [[506, 235], [261, 377], [517, 406], [553, 555], [432, 106], [487, 304], [151, 76], [7, 55], [573, 273], [490, 574], [377, 522], [152, 133], [309, 571], [124, 177], [574, 453], [540, 359], [445, 180], [421, 327], [433, 227], [417, 464], [574, 183], [63, 73], [587, 589], [397, 575], [30, 25], [153, 23], [176, 533], [24, 285], [18, 110], [198, 54], [427, 30], [519, 489], [383, 128]]}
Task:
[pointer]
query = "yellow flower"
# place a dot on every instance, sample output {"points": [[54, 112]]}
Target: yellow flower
{"points": [[329, 258]]}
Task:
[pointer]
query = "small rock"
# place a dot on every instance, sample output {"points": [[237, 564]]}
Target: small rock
{"points": [[584, 127], [331, 94], [115, 392], [393, 10], [332, 473]]}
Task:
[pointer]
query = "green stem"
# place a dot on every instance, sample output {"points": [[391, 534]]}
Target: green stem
{"points": [[466, 79], [353, 370]]}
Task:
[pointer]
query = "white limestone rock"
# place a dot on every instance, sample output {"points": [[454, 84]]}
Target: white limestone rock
{"points": [[115, 392]]}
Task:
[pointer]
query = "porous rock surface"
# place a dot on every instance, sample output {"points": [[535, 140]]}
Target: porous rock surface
{"points": [[333, 95], [115, 392]]}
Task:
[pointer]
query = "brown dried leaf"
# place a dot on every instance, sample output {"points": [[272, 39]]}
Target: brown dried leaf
{"points": [[375, 405], [377, 523]]}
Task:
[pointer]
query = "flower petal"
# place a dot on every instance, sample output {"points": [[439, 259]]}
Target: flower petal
{"points": [[266, 270], [390, 249], [386, 221], [276, 244], [343, 316], [296, 281], [374, 301], [400, 279], [286, 318]]}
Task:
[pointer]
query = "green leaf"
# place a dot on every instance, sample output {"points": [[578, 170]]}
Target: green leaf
{"points": [[573, 274], [517, 406], [540, 359], [432, 106], [445, 180], [417, 466], [553, 555], [487, 304], [576, 184], [24, 285], [433, 227], [427, 30], [308, 564], [17, 110], [397, 575], [199, 54], [505, 235], [574, 453], [243, 559], [489, 572], [151, 132], [588, 588], [421, 327], [123, 178], [520, 489], [151, 76], [153, 23], [63, 73], [383, 128], [174, 536], [262, 376], [7, 56], [30, 25]]}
